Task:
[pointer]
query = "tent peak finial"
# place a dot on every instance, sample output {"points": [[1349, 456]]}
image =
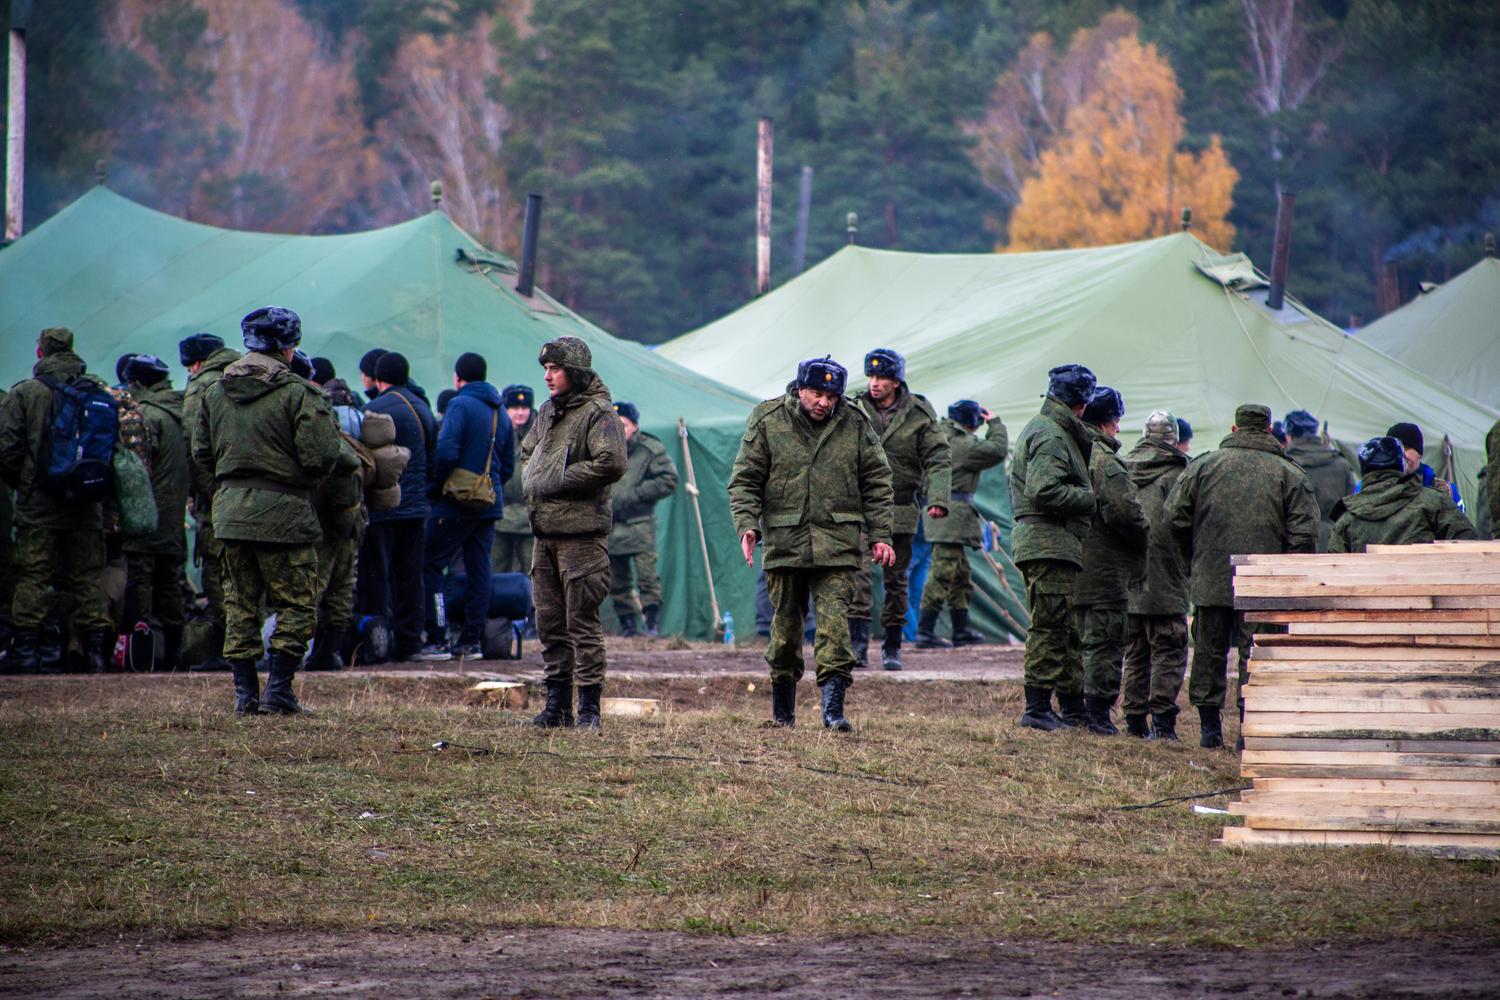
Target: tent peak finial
{"points": [[99, 173], [1187, 218], [852, 224], [1489, 244], [437, 194]]}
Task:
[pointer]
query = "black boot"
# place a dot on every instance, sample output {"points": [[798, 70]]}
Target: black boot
{"points": [[98, 650], [1096, 712], [962, 634], [325, 649], [1210, 728], [49, 650], [215, 662], [246, 687], [833, 705], [859, 636], [23, 657], [890, 649], [1164, 726], [652, 615], [1135, 725], [558, 713], [588, 705], [1072, 711], [628, 629], [784, 703], [927, 637], [1039, 714], [279, 698]]}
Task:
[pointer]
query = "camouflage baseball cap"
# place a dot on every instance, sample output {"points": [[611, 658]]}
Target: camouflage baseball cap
{"points": [[1252, 416], [1162, 426], [55, 339], [566, 352]]}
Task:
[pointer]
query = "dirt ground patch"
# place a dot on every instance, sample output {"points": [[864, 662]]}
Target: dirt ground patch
{"points": [[595, 963]]}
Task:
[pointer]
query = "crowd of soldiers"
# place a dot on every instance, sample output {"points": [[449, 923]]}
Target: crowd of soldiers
{"points": [[311, 507]]}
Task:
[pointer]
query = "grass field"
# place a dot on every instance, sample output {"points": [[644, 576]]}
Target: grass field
{"points": [[140, 804]]}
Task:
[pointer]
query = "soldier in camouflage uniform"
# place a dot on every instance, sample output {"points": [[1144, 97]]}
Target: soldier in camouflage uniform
{"points": [[267, 437], [56, 539], [1114, 561], [511, 552], [1327, 471], [811, 481], [205, 357], [7, 562], [572, 455], [1492, 474], [650, 477], [948, 581], [1247, 497], [1392, 507], [1156, 632], [1052, 498], [153, 589], [916, 449]]}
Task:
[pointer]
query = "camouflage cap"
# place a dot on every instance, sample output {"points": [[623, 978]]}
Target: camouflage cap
{"points": [[566, 352], [1162, 426], [55, 339], [1381, 453], [1252, 417]]}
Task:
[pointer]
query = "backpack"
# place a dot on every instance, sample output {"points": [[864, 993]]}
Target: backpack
{"points": [[78, 446]]}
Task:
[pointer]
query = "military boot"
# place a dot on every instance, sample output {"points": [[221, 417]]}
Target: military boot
{"points": [[962, 634], [1164, 726], [23, 657], [558, 712], [927, 637], [325, 649], [833, 705], [588, 705], [279, 699], [49, 650], [215, 661], [890, 649], [652, 616], [246, 687], [859, 637], [628, 629], [98, 649], [1096, 715], [1135, 725], [1210, 728], [1039, 714], [1073, 713], [784, 703], [171, 654]]}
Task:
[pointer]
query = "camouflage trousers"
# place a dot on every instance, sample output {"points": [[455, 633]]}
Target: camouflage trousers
{"points": [[511, 553], [336, 565], [1155, 662], [894, 581], [1054, 650], [209, 551], [569, 578], [74, 560], [1215, 630], [633, 591], [948, 582], [1101, 631], [268, 576], [831, 591], [153, 588]]}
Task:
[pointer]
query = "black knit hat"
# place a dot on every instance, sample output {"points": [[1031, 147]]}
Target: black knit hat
{"points": [[1410, 436], [470, 367], [392, 368], [370, 359], [323, 372], [301, 365], [198, 347], [445, 397]]}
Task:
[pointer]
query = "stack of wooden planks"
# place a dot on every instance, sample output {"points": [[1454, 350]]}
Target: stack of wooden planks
{"points": [[1376, 718]]}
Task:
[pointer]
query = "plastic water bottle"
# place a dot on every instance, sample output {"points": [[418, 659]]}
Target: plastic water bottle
{"points": [[728, 629]]}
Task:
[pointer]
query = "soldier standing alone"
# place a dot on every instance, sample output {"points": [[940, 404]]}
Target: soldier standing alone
{"points": [[650, 477], [267, 437], [811, 481]]}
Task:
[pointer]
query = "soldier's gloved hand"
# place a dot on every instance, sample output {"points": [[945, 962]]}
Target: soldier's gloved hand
{"points": [[747, 546], [882, 554], [935, 511]]}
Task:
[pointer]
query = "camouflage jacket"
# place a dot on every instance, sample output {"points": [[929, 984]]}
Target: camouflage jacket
{"points": [[650, 477], [916, 449], [1050, 490], [514, 519], [269, 437], [25, 416], [809, 490], [1154, 468], [160, 409], [1246, 497], [1484, 523], [192, 403], [970, 456], [573, 454], [1330, 476], [1395, 509], [1114, 550], [1492, 471]]}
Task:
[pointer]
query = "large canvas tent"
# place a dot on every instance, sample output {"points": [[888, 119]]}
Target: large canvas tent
{"points": [[1169, 322], [127, 278], [1450, 333]]}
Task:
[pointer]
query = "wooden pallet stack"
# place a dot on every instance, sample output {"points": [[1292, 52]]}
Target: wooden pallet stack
{"points": [[1376, 718]]}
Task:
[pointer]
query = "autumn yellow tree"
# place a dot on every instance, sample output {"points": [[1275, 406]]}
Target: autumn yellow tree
{"points": [[1118, 172]]}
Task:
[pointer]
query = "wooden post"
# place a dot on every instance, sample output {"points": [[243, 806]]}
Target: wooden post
{"points": [[804, 210], [15, 128], [1281, 251], [763, 209]]}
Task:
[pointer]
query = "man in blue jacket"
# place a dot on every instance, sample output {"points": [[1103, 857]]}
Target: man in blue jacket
{"points": [[475, 436], [392, 557]]}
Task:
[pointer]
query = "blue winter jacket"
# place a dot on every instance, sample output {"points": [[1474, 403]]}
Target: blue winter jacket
{"points": [[415, 431], [463, 441]]}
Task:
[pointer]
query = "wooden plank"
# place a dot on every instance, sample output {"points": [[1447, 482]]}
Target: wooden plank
{"points": [[1430, 673], [1376, 615], [1364, 725], [1387, 746], [1399, 626], [1475, 711], [1384, 786], [1338, 838], [1372, 758], [1445, 772], [1481, 692], [1404, 824], [1327, 602], [1364, 588], [1350, 803], [1388, 654]]}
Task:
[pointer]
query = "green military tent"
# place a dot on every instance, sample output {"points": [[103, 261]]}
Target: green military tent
{"points": [[1169, 322], [127, 278], [1450, 333]]}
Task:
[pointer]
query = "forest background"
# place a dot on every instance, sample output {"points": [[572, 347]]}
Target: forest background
{"points": [[948, 127]]}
